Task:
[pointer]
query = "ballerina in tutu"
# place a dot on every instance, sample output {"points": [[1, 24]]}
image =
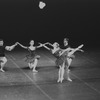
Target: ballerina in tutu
{"points": [[60, 58], [32, 58]]}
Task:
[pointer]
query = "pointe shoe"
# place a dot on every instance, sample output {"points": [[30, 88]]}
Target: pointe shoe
{"points": [[30, 67], [69, 79], [58, 80], [2, 70], [68, 70], [35, 70], [61, 80]]}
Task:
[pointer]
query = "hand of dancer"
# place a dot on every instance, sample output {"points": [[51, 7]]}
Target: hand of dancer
{"points": [[81, 50], [19, 44], [40, 44], [47, 43], [80, 46], [16, 43]]}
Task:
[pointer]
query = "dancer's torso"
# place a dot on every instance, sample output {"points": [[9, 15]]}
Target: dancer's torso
{"points": [[56, 53], [2, 51], [31, 51]]}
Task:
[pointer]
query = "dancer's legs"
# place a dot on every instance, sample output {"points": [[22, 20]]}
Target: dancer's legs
{"points": [[3, 62], [34, 65], [59, 74], [62, 72]]}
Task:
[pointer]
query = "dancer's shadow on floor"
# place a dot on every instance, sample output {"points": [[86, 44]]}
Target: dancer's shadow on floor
{"points": [[72, 68], [12, 70], [25, 68], [47, 68], [41, 68]]}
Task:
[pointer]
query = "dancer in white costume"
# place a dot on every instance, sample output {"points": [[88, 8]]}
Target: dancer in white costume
{"points": [[32, 58], [3, 59]]}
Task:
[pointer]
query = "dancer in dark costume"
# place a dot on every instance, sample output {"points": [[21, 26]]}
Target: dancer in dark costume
{"points": [[72, 56], [68, 56], [67, 59], [66, 45], [32, 58], [3, 59]]}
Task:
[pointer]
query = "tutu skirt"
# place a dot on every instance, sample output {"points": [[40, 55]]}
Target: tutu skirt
{"points": [[60, 60], [31, 58]]}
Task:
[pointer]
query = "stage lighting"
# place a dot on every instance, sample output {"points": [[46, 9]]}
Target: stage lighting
{"points": [[41, 4]]}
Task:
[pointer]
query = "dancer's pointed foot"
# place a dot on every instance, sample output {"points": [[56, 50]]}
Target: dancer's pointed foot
{"points": [[69, 79], [35, 70], [61, 80], [68, 70], [30, 67], [2, 70], [58, 80]]}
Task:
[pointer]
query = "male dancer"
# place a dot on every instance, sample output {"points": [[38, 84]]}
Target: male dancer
{"points": [[3, 59]]}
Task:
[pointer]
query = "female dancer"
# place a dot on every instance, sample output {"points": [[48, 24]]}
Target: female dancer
{"points": [[55, 50], [32, 58], [60, 61], [3, 59]]}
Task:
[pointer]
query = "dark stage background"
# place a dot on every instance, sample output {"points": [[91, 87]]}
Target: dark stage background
{"points": [[79, 20]]}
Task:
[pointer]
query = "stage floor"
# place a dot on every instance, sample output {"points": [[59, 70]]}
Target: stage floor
{"points": [[20, 83]]}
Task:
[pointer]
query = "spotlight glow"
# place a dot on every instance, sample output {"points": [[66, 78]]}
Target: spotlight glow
{"points": [[41, 4]]}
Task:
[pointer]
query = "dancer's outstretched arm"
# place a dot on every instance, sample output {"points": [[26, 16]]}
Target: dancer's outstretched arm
{"points": [[81, 50], [73, 50], [22, 45], [9, 48], [78, 48], [44, 45], [49, 44], [41, 45]]}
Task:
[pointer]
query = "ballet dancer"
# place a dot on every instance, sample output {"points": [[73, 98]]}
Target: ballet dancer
{"points": [[32, 58], [67, 54], [3, 59], [60, 58]]}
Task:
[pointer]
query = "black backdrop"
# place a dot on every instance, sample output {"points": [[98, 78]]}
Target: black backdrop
{"points": [[79, 20]]}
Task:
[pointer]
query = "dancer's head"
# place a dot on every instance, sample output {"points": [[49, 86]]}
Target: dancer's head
{"points": [[1, 42], [56, 45], [66, 41], [32, 42]]}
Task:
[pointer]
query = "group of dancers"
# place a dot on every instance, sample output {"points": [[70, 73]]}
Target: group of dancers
{"points": [[64, 56]]}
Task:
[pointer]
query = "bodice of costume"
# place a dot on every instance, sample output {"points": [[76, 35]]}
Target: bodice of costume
{"points": [[31, 52], [31, 56], [57, 53], [65, 47], [2, 51], [65, 53]]}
